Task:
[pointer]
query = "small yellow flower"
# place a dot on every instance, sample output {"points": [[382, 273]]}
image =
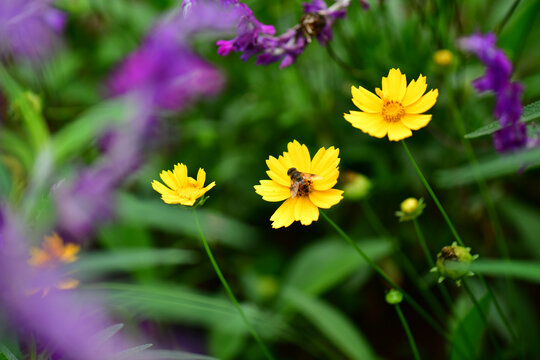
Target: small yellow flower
{"points": [[443, 57], [395, 110], [311, 190], [53, 253], [409, 205], [180, 188]]}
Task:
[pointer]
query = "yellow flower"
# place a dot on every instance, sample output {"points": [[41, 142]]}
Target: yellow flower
{"points": [[396, 110], [443, 57], [311, 190], [53, 253], [181, 189]]}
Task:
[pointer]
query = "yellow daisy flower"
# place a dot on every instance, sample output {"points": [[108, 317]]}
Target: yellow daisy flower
{"points": [[304, 184], [180, 188], [395, 110], [53, 253]]}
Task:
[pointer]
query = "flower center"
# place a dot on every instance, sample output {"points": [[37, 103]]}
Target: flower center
{"points": [[188, 192], [392, 111]]}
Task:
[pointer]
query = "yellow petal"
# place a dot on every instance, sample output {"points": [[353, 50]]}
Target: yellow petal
{"points": [[424, 103], [171, 199], [67, 284], [305, 211], [415, 90], [169, 179], [415, 122], [278, 171], [366, 100], [201, 177], [395, 86], [69, 254], [208, 187], [181, 175], [364, 121], [284, 215], [379, 93], [272, 191], [326, 199], [380, 130], [325, 159], [299, 155], [398, 131], [162, 189]]}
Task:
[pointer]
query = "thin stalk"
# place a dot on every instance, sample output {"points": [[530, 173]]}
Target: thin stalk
{"points": [[382, 274], [229, 291], [482, 315], [408, 332], [433, 196], [507, 16]]}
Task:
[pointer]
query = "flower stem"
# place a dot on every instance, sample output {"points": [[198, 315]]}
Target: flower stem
{"points": [[508, 15], [381, 273], [229, 291], [433, 196], [408, 332]]}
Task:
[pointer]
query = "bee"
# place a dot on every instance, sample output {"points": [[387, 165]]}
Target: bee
{"points": [[312, 24], [447, 253], [301, 182]]}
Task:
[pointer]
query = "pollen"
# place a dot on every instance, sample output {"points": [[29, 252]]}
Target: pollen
{"points": [[392, 111]]}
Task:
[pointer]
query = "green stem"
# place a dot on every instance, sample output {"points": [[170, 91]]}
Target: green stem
{"points": [[482, 315], [423, 244], [229, 291], [433, 196], [408, 332], [373, 219], [507, 16], [381, 273]]}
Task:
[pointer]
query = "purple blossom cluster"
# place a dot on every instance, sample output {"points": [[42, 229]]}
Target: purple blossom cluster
{"points": [[255, 38], [29, 28], [508, 109]]}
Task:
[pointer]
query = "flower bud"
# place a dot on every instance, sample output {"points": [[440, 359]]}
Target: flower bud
{"points": [[443, 57], [394, 297], [453, 261], [357, 186], [411, 208]]}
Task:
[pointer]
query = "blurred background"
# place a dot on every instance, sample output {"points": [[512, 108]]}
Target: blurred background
{"points": [[307, 293]]}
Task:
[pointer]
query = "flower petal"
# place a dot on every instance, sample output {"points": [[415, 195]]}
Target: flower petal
{"points": [[278, 171], [201, 177], [398, 131], [284, 215], [379, 130], [395, 86], [414, 91], [415, 122], [324, 160], [364, 121], [424, 103], [366, 100], [305, 211], [326, 199], [162, 189], [181, 174], [299, 155], [272, 191]]}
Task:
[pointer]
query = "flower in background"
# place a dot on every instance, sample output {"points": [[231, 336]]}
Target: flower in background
{"points": [[443, 57], [28, 28], [255, 38], [453, 262], [305, 184], [181, 189], [508, 109], [53, 253], [410, 209], [395, 110]]}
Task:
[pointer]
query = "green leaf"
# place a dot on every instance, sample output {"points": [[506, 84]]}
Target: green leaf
{"points": [[96, 263], [524, 270], [225, 345], [526, 221], [332, 324], [493, 167], [172, 303], [469, 330], [6, 353], [530, 112], [324, 264], [79, 133], [14, 145], [513, 36], [176, 219]]}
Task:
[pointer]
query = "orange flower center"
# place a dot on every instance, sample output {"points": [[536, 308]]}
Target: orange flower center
{"points": [[392, 111]]}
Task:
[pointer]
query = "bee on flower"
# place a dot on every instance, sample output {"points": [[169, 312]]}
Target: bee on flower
{"points": [[304, 184], [395, 110], [54, 253]]}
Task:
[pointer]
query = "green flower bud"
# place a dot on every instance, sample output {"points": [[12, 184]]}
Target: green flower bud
{"points": [[394, 297], [411, 208], [357, 186], [453, 261]]}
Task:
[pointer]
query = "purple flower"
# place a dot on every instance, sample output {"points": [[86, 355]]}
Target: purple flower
{"points": [[508, 108], [254, 38], [29, 28]]}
